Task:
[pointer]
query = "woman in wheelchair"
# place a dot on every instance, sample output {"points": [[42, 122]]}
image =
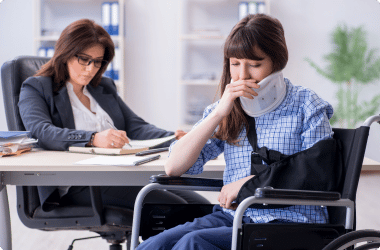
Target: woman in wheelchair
{"points": [[69, 103], [258, 109]]}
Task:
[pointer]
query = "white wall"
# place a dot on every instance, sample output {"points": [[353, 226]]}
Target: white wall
{"points": [[151, 49], [16, 36], [308, 26]]}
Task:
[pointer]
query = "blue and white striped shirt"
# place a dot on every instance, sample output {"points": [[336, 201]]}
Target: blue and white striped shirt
{"points": [[297, 124]]}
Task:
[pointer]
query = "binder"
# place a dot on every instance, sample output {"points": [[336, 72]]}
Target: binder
{"points": [[252, 7], [261, 7], [106, 17], [243, 10], [49, 51], [115, 18], [116, 64], [109, 70], [8, 135], [41, 51]]}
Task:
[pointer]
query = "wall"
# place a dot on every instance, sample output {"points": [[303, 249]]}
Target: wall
{"points": [[151, 49], [16, 36], [308, 26]]}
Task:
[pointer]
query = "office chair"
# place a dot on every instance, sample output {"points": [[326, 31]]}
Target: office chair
{"points": [[341, 205], [110, 222]]}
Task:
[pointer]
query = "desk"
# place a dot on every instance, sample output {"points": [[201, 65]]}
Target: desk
{"points": [[59, 168], [44, 168]]}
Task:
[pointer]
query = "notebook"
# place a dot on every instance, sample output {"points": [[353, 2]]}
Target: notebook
{"points": [[136, 146]]}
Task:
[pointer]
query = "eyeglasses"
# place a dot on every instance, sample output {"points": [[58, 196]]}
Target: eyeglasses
{"points": [[86, 61]]}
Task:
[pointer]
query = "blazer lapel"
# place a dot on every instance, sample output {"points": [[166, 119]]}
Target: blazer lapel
{"points": [[63, 104]]}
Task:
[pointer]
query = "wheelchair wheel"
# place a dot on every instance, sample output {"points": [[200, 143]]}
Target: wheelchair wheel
{"points": [[355, 237], [373, 245]]}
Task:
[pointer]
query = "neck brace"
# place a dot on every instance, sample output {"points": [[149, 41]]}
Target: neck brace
{"points": [[271, 93]]}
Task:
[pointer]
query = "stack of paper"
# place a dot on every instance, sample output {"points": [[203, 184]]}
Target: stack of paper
{"points": [[15, 142]]}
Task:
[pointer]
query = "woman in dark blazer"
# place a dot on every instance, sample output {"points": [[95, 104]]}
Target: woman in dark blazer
{"points": [[69, 103]]}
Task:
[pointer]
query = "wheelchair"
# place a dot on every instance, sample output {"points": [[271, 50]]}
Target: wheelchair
{"points": [[338, 234]]}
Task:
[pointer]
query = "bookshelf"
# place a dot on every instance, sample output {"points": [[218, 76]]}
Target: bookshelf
{"points": [[52, 16], [203, 27]]}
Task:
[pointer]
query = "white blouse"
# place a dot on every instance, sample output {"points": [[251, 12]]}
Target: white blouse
{"points": [[94, 120], [85, 119]]}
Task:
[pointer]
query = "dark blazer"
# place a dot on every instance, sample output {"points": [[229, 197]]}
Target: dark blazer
{"points": [[49, 117]]}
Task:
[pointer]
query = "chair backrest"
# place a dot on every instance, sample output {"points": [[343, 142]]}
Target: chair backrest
{"points": [[13, 74], [353, 145]]}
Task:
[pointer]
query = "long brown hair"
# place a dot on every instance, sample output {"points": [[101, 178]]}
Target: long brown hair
{"points": [[74, 39], [253, 32]]}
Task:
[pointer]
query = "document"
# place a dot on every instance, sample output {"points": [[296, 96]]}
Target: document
{"points": [[15, 142], [134, 146], [118, 161]]}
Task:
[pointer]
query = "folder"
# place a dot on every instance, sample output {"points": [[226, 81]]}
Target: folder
{"points": [[50, 51], [116, 64], [9, 135], [106, 17], [243, 10], [42, 51], [115, 18], [109, 71], [15, 142], [252, 8], [136, 146], [261, 7]]}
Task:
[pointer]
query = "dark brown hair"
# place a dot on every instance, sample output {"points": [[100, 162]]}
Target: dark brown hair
{"points": [[253, 32], [75, 38]]}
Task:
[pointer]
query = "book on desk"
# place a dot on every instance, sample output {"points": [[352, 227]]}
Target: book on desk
{"points": [[134, 146]]}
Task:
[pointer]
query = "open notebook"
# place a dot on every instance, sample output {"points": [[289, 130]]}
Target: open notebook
{"points": [[136, 146]]}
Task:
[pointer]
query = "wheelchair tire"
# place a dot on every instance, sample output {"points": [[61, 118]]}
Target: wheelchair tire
{"points": [[373, 245], [352, 238]]}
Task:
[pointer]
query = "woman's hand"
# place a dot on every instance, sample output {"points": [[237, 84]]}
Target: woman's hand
{"points": [[110, 138], [179, 134], [234, 90], [229, 193]]}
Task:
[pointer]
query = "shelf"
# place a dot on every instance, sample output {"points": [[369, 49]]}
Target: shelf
{"points": [[53, 16], [203, 27], [202, 37], [200, 82], [208, 1], [54, 38]]}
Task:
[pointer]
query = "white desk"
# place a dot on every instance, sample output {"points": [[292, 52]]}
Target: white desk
{"points": [[59, 168], [44, 168]]}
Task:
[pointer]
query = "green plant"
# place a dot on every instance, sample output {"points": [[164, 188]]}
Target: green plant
{"points": [[351, 64]]}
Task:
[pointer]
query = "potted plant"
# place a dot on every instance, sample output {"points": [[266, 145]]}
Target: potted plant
{"points": [[351, 65]]}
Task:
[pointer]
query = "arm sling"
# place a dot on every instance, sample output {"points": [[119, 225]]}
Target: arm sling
{"points": [[317, 168]]}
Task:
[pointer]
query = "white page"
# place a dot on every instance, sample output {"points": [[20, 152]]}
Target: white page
{"points": [[147, 143], [110, 161]]}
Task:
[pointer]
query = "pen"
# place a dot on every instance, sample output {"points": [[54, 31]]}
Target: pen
{"points": [[151, 151], [145, 160], [112, 126]]}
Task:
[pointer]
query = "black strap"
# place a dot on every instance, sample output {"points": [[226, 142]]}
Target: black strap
{"points": [[260, 154], [252, 136]]}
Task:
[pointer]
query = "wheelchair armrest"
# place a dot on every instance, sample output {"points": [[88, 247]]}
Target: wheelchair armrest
{"points": [[186, 181], [296, 194]]}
